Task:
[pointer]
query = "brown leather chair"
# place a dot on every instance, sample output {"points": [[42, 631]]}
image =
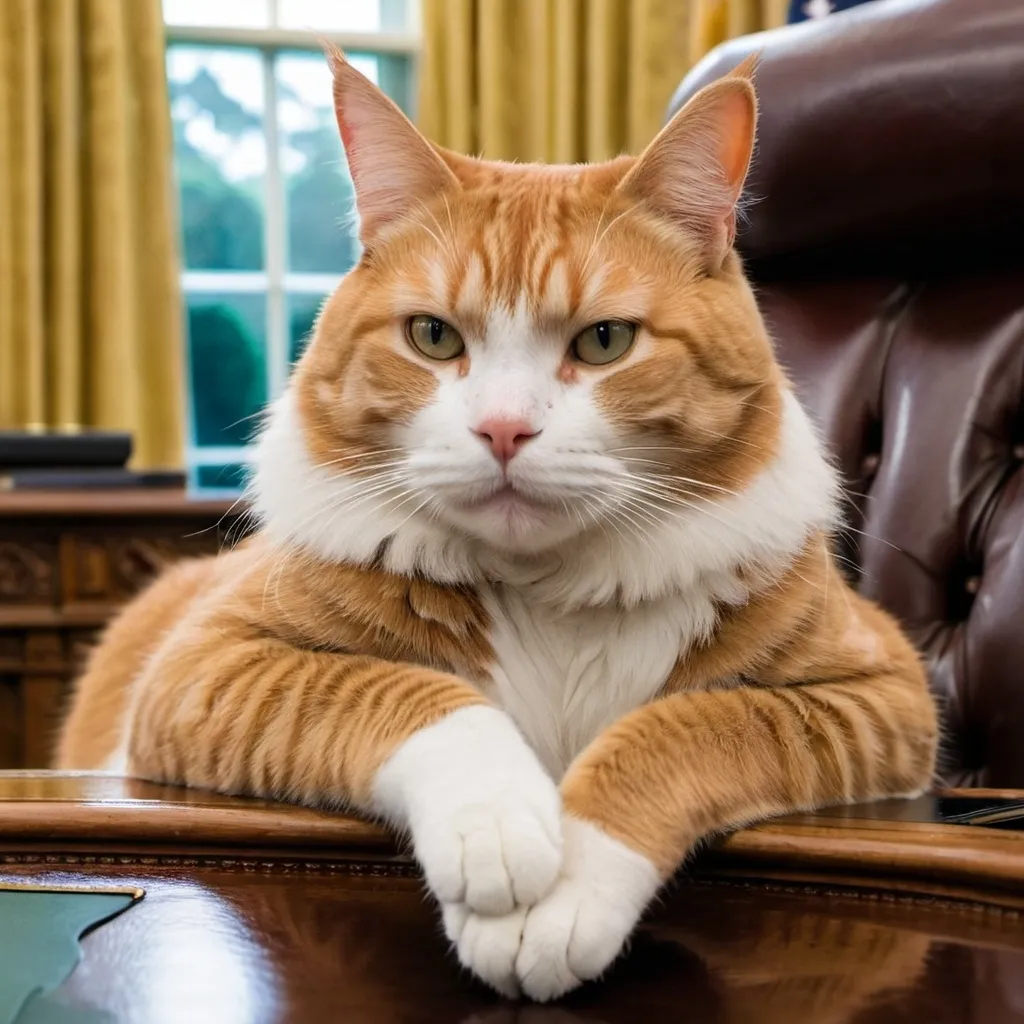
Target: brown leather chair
{"points": [[885, 239]]}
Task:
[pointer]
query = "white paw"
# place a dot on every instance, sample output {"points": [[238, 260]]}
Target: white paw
{"points": [[570, 936], [484, 815], [488, 946]]}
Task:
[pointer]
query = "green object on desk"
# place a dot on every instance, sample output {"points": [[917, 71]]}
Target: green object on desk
{"points": [[42, 1009], [39, 931]]}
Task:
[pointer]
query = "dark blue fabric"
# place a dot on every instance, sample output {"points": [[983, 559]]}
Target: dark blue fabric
{"points": [[804, 10]]}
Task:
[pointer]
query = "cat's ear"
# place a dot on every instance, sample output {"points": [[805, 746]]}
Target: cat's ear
{"points": [[393, 167], [693, 171]]}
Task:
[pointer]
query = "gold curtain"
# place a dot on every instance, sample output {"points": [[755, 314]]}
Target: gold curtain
{"points": [[565, 80], [90, 316], [715, 21]]}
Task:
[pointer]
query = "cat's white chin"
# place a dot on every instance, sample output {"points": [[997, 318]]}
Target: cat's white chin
{"points": [[511, 520]]}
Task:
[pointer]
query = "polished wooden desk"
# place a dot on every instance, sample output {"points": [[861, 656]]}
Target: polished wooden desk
{"points": [[257, 912]]}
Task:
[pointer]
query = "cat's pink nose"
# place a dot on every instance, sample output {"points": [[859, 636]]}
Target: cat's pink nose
{"points": [[504, 436]]}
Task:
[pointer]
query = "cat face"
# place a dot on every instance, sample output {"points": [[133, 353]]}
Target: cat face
{"points": [[527, 353]]}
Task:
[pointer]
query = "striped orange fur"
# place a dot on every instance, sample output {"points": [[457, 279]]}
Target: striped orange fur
{"points": [[543, 576]]}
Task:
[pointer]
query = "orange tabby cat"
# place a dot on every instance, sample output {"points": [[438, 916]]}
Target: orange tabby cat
{"points": [[543, 576]]}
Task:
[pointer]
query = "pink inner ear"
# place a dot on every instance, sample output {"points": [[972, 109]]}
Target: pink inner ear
{"points": [[393, 167], [693, 172], [346, 95], [344, 130], [737, 113]]}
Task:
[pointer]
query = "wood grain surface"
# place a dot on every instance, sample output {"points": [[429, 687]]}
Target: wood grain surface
{"points": [[261, 913]]}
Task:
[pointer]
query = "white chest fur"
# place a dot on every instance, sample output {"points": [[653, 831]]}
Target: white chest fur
{"points": [[565, 676]]}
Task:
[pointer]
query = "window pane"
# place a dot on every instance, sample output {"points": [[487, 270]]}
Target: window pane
{"points": [[320, 201], [302, 314], [238, 13], [227, 358], [332, 15], [220, 154]]}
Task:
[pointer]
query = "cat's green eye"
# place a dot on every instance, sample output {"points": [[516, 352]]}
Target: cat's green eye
{"points": [[603, 342], [434, 338]]}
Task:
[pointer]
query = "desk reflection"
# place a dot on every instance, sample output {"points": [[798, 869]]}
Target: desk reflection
{"points": [[183, 953], [263, 947]]}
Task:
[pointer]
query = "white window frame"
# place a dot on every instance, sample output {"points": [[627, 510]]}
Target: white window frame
{"points": [[275, 279]]}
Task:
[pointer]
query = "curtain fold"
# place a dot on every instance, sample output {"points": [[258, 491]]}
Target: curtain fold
{"points": [[565, 80], [715, 21], [90, 312]]}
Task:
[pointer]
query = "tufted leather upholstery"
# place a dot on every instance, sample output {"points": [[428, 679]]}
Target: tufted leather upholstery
{"points": [[886, 245]]}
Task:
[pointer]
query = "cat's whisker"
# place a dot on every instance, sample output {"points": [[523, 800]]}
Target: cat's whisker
{"points": [[627, 508], [352, 502], [719, 438], [356, 469], [640, 498], [660, 448], [695, 482], [364, 455], [646, 462], [403, 497], [451, 220], [642, 508], [286, 555], [664, 506], [593, 241], [624, 515], [658, 482], [426, 501], [358, 485], [596, 518], [359, 473], [761, 408], [441, 245], [220, 520], [598, 239], [359, 460], [677, 499], [365, 480], [260, 414], [853, 565], [246, 521], [447, 246], [871, 536], [600, 512], [347, 502], [370, 478], [575, 508]]}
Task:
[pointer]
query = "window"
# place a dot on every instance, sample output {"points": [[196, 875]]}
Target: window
{"points": [[265, 201]]}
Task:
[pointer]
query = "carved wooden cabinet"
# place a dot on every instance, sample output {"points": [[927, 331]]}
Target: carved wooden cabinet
{"points": [[68, 560]]}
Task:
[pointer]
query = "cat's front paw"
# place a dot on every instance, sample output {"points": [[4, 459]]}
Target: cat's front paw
{"points": [[570, 936], [492, 855], [488, 946], [485, 817]]}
